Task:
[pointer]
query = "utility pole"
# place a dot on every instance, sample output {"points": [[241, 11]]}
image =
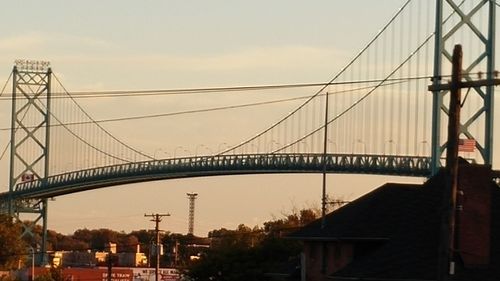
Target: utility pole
{"points": [[157, 219], [110, 265], [448, 247]]}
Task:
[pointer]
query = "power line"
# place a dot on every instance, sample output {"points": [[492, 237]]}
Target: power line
{"points": [[194, 111], [216, 90], [100, 127]]}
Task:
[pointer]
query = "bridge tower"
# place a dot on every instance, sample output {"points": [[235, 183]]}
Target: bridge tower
{"points": [[468, 22], [29, 148]]}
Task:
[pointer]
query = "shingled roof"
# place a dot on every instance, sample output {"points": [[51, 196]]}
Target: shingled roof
{"points": [[402, 222]]}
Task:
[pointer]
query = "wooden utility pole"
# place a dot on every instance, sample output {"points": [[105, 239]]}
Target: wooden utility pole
{"points": [[157, 219], [447, 244], [110, 266], [448, 247]]}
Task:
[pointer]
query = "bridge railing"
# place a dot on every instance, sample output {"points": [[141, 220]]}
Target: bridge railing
{"points": [[229, 164]]}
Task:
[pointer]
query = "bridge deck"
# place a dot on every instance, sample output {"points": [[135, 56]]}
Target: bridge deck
{"points": [[83, 180]]}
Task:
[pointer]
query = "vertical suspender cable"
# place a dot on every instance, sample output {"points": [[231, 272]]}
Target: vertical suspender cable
{"points": [[417, 83], [409, 93]]}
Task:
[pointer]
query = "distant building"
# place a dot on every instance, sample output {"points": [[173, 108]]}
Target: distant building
{"points": [[90, 259], [393, 233]]}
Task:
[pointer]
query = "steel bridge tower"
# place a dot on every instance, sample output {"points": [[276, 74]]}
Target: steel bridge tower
{"points": [[29, 147], [447, 34]]}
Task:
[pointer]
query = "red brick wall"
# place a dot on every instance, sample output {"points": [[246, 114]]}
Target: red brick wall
{"points": [[337, 256], [474, 221]]}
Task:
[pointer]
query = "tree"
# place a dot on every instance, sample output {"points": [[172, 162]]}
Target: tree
{"points": [[248, 254], [12, 247], [53, 274]]}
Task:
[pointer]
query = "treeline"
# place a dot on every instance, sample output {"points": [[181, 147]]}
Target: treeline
{"points": [[250, 254], [244, 253]]}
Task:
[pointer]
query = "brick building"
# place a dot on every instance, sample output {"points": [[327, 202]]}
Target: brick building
{"points": [[392, 233]]}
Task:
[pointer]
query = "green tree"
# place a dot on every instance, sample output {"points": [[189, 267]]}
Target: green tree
{"points": [[12, 248]]}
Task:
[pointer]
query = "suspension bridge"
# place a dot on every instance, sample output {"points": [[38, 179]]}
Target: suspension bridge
{"points": [[375, 116]]}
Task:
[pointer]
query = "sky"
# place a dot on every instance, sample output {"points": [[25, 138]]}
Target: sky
{"points": [[127, 45]]}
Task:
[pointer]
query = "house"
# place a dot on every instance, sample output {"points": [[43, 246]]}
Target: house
{"points": [[392, 233]]}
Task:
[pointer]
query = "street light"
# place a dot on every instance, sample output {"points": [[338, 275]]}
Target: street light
{"points": [[305, 146], [32, 250], [257, 146], [196, 149], [363, 144], [219, 150], [271, 147], [334, 145], [424, 147], [393, 143], [156, 150], [175, 150]]}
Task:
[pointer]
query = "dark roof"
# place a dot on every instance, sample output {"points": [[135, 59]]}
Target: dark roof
{"points": [[375, 215], [403, 220]]}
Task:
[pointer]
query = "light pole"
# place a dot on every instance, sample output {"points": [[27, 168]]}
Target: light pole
{"points": [[363, 145], [334, 145], [271, 146], [219, 150], [175, 150], [209, 150], [424, 147], [32, 250], [305, 146], [391, 144], [196, 149], [156, 150], [257, 146]]}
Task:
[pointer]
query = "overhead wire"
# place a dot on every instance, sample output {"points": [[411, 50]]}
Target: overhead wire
{"points": [[86, 142], [208, 109], [143, 93], [100, 127]]}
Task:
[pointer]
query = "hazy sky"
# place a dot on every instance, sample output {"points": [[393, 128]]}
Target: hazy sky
{"points": [[124, 45]]}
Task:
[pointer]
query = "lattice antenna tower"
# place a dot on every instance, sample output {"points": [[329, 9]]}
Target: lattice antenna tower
{"points": [[30, 139], [481, 32], [192, 199]]}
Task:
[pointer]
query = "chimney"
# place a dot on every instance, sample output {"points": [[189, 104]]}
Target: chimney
{"points": [[474, 218]]}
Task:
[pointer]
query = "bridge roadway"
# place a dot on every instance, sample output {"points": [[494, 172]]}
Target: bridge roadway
{"points": [[216, 165]]}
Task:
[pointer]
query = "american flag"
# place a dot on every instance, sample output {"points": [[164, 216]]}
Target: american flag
{"points": [[27, 177], [466, 145]]}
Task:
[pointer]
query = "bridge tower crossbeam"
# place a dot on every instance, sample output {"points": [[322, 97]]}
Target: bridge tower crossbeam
{"points": [[485, 37]]}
